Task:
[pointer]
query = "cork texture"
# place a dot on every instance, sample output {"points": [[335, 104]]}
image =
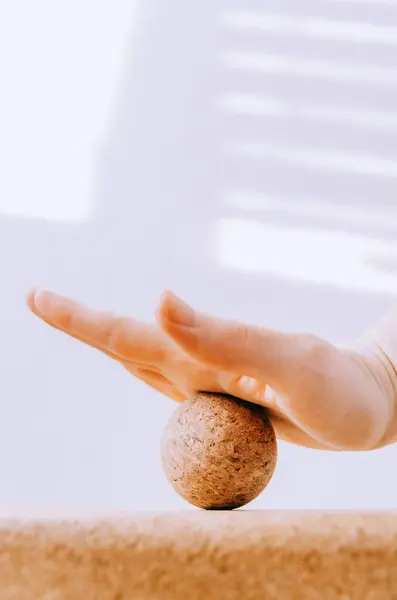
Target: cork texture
{"points": [[192, 555], [219, 452]]}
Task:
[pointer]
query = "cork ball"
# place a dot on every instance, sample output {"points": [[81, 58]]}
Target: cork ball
{"points": [[219, 452]]}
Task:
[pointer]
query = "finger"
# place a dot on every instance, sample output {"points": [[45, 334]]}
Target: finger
{"points": [[76, 337], [123, 338], [236, 347], [157, 382]]}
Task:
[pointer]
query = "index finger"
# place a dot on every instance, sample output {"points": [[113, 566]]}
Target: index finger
{"points": [[124, 338]]}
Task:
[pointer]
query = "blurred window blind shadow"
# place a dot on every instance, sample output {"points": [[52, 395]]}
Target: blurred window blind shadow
{"points": [[308, 104]]}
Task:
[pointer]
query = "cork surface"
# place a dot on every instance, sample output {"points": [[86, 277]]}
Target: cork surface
{"points": [[250, 555], [219, 452]]}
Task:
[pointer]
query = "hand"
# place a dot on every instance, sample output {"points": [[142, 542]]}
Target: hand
{"points": [[318, 395]]}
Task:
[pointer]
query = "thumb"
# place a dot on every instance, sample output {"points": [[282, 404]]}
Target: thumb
{"points": [[231, 346]]}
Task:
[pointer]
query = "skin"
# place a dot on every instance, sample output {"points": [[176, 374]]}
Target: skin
{"points": [[319, 396]]}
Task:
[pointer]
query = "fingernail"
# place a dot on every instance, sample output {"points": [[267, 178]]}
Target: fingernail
{"points": [[179, 312], [39, 300]]}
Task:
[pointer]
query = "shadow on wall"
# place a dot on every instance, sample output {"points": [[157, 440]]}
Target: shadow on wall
{"points": [[251, 151], [310, 143]]}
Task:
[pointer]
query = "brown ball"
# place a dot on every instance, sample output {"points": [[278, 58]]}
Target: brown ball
{"points": [[219, 452]]}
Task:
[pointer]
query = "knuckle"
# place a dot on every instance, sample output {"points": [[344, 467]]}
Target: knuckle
{"points": [[318, 354], [242, 335], [114, 334], [312, 372]]}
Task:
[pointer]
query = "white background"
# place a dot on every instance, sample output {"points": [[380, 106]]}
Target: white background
{"points": [[241, 153]]}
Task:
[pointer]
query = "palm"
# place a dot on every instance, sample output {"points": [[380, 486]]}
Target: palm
{"points": [[311, 399], [180, 376]]}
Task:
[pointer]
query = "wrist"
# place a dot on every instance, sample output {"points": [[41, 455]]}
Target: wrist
{"points": [[383, 339], [378, 346]]}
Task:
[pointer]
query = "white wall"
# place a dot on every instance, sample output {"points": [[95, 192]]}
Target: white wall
{"points": [[243, 153]]}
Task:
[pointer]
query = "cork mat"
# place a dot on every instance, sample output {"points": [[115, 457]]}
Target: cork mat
{"points": [[196, 555]]}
